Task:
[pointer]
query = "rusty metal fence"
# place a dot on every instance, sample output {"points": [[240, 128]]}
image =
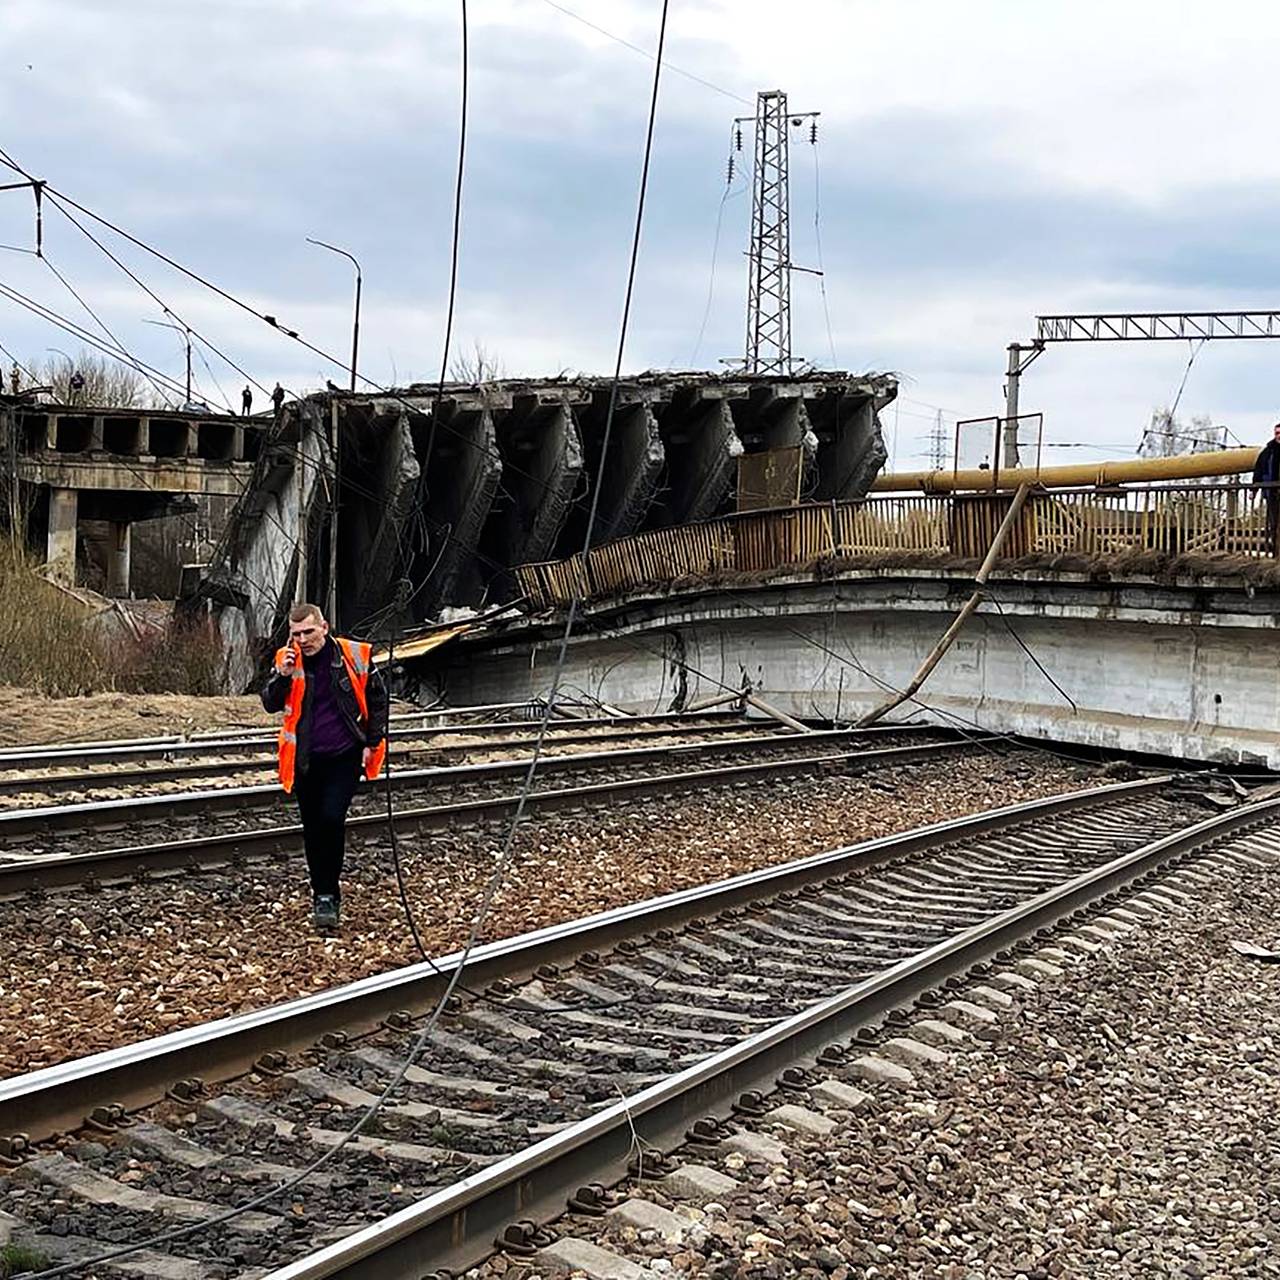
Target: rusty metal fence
{"points": [[1227, 520]]}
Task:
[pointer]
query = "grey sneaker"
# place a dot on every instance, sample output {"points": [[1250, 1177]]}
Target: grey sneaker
{"points": [[324, 916]]}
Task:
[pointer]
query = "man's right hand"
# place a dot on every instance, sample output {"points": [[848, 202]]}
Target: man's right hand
{"points": [[286, 664]]}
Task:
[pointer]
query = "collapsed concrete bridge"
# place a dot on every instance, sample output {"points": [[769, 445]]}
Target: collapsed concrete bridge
{"points": [[438, 498]]}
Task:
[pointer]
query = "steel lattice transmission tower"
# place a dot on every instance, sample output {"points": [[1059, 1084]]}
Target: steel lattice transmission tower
{"points": [[769, 288]]}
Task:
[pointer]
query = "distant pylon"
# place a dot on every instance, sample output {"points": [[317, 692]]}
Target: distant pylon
{"points": [[938, 444], [769, 254]]}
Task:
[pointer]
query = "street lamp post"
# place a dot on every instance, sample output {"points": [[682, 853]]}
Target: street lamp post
{"points": [[355, 326], [71, 368], [186, 333]]}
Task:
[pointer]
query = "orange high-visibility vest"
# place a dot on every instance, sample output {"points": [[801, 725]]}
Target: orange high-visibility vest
{"points": [[357, 658]]}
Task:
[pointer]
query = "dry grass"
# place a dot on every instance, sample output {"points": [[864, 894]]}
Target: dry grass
{"points": [[44, 643], [48, 645]]}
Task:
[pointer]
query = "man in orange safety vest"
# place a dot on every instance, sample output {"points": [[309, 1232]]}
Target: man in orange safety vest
{"points": [[335, 729]]}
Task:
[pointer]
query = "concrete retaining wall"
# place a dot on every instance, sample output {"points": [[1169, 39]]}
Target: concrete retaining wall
{"points": [[1185, 670]]}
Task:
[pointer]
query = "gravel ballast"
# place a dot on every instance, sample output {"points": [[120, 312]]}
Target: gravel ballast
{"points": [[87, 970], [1107, 1111]]}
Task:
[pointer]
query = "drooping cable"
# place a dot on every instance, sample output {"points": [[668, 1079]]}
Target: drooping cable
{"points": [[421, 501], [725, 196], [160, 302], [1191, 359], [817, 238], [1022, 644], [508, 847]]}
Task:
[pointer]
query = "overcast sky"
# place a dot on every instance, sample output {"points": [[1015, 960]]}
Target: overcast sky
{"points": [[980, 163]]}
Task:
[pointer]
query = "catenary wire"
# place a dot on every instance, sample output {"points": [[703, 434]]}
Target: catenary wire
{"points": [[644, 53], [389, 392], [97, 319], [9, 355], [78, 331], [164, 307]]}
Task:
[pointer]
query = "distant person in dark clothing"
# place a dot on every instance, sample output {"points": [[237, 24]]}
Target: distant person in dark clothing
{"points": [[335, 728], [1266, 471], [76, 387], [277, 400], [246, 402]]}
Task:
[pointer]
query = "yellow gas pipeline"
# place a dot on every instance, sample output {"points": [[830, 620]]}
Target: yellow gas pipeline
{"points": [[1186, 466]]}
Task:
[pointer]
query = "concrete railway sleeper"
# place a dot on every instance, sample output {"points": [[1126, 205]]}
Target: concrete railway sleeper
{"points": [[685, 1004], [62, 861]]}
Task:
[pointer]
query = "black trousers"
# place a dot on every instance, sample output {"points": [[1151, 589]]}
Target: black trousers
{"points": [[324, 794]]}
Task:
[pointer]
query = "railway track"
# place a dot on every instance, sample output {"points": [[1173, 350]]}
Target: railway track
{"points": [[684, 1004], [27, 860], [26, 833], [59, 769]]}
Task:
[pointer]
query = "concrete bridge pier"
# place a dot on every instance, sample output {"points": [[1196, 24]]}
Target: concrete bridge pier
{"points": [[118, 556], [60, 542]]}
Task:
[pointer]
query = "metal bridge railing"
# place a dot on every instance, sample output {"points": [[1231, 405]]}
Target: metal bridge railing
{"points": [[1216, 520]]}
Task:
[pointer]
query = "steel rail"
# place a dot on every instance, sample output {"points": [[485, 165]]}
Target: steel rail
{"points": [[51, 870], [455, 1228], [255, 740], [92, 813], [201, 735], [261, 756], [57, 1098]]}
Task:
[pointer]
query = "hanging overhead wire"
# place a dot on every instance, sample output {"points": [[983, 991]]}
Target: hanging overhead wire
{"points": [[165, 309], [1191, 359], [817, 237], [725, 196]]}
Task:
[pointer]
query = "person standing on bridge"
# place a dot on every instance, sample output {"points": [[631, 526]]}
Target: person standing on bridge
{"points": [[277, 400], [335, 728], [1266, 472], [246, 401]]}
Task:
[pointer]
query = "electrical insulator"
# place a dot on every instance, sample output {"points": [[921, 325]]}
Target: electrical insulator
{"points": [[737, 138], [813, 133], [728, 178]]}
